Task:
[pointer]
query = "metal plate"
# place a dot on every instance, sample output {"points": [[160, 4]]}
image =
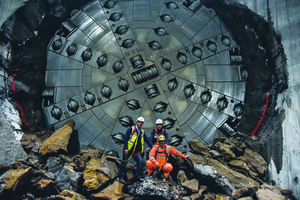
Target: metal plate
{"points": [[156, 59]]}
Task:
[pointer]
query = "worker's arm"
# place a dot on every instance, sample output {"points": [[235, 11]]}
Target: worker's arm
{"points": [[152, 156], [167, 137], [148, 141], [126, 138], [177, 153]]}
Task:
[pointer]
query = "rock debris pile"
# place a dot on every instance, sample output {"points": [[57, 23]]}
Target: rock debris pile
{"points": [[56, 169]]}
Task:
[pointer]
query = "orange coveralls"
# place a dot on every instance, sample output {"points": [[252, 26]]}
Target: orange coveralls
{"points": [[161, 156]]}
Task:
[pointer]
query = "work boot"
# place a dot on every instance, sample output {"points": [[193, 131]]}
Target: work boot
{"points": [[122, 181], [139, 179]]}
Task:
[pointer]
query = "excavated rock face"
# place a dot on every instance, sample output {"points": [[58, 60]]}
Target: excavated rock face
{"points": [[93, 174]]}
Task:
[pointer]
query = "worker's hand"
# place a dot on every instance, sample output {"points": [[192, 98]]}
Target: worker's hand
{"points": [[156, 164], [148, 149], [186, 156], [126, 152]]}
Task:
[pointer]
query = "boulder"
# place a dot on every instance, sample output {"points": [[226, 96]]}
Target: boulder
{"points": [[94, 176], [239, 164], [197, 146], [197, 195], [86, 153], [267, 194], [69, 195], [256, 160], [191, 185], [68, 179], [15, 180], [226, 178], [109, 166], [112, 192], [153, 187], [46, 187], [226, 150], [181, 177], [59, 140], [245, 198]]}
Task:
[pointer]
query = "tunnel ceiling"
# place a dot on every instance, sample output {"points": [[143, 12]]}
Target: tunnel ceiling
{"points": [[114, 61]]}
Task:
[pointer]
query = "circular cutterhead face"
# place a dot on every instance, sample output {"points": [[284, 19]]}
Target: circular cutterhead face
{"points": [[112, 62]]}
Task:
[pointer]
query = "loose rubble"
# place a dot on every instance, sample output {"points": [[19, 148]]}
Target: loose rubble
{"points": [[227, 169]]}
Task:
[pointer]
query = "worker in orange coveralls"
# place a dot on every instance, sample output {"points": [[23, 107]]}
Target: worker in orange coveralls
{"points": [[159, 155]]}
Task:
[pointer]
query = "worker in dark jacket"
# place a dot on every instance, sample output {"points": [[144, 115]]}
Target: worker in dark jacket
{"points": [[133, 147], [155, 133]]}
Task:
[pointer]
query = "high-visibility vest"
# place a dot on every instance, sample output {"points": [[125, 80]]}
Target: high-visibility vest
{"points": [[134, 137], [162, 155]]}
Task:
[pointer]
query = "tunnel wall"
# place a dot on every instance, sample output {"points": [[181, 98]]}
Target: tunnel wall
{"points": [[285, 18]]}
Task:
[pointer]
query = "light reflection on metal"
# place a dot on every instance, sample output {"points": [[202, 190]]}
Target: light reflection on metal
{"points": [[89, 98], [197, 52], [123, 84], [175, 140], [56, 112], [127, 43], [154, 45], [118, 66], [126, 121], [72, 49], [151, 91], [73, 105], [228, 129], [160, 31], [172, 5], [182, 58], [166, 64], [115, 16], [57, 44], [189, 90], [205, 97], [244, 75], [226, 40], [172, 84], [238, 109], [121, 30], [86, 55], [109, 4], [144, 75], [133, 104], [168, 123], [211, 46], [160, 107], [137, 61], [222, 103], [106, 91], [118, 138], [102, 60], [166, 18]]}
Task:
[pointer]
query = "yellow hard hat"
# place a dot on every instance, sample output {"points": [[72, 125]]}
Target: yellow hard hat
{"points": [[161, 138]]}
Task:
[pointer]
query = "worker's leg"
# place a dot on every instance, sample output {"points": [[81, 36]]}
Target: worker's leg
{"points": [[123, 167], [150, 166], [138, 159], [167, 168]]}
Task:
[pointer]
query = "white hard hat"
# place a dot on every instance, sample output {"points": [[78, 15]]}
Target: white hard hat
{"points": [[159, 121], [140, 119]]}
